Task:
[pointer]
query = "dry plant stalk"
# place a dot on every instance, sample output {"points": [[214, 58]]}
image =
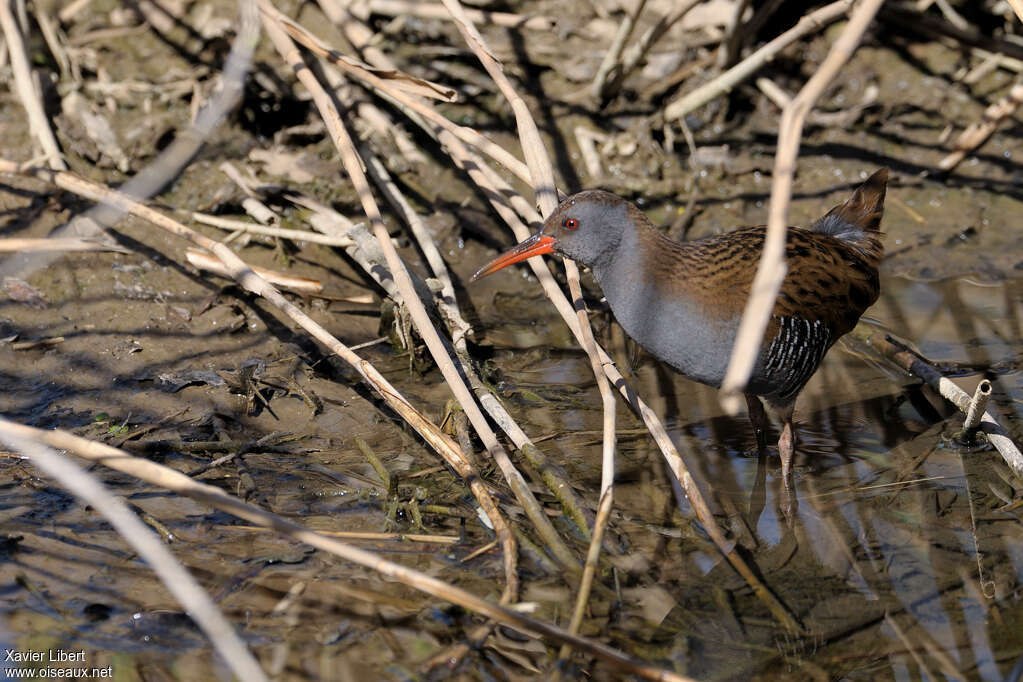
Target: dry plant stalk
{"points": [[27, 92], [995, 432], [1017, 7], [978, 406], [747, 67], [772, 268], [590, 569], [283, 233], [16, 245], [354, 165], [433, 10], [912, 647], [978, 133], [210, 263], [612, 57], [540, 166], [366, 535], [252, 282], [175, 577], [170, 479]]}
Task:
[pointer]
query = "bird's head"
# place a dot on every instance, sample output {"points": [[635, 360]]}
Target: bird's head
{"points": [[587, 227]]}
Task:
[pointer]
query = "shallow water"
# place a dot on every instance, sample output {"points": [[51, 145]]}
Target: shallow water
{"points": [[904, 553], [892, 515], [903, 558]]}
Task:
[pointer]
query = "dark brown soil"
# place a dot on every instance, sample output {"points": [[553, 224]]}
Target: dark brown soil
{"points": [[904, 560]]}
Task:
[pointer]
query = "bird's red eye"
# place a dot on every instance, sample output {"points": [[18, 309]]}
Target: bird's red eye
{"points": [[570, 223]]}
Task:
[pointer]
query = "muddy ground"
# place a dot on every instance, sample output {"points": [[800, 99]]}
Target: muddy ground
{"points": [[905, 559]]}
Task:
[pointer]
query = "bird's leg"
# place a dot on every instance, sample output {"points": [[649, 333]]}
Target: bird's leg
{"points": [[787, 450], [758, 418], [787, 442]]}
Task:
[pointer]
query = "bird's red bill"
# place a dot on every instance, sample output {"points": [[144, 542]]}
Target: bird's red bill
{"points": [[537, 245]]}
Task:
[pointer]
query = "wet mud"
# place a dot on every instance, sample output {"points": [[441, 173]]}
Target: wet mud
{"points": [[904, 559]]}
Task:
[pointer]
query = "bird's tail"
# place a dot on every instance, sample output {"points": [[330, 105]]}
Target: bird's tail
{"points": [[858, 220]]}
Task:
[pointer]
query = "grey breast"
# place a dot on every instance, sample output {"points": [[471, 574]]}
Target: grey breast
{"points": [[671, 328]]}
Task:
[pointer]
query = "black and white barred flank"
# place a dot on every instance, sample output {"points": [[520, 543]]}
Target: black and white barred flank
{"points": [[795, 353]]}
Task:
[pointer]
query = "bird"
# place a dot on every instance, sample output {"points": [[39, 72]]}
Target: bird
{"points": [[682, 301]]}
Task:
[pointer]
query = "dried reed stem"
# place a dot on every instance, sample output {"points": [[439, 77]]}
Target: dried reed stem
{"points": [[989, 426], [17, 244], [354, 165], [178, 581], [977, 407], [177, 482], [1017, 7], [592, 560], [283, 233], [433, 10], [724, 83], [772, 268], [210, 263], [26, 89], [978, 133], [612, 57], [252, 282]]}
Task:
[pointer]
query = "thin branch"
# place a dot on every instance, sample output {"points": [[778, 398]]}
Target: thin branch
{"points": [[284, 233], [177, 482], [354, 166], [772, 268], [749, 66], [978, 133], [916, 366], [16, 245], [178, 581], [26, 89], [592, 560], [210, 263], [612, 57], [434, 10], [1017, 7], [252, 282]]}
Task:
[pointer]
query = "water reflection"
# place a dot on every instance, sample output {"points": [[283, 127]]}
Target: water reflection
{"points": [[905, 555]]}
